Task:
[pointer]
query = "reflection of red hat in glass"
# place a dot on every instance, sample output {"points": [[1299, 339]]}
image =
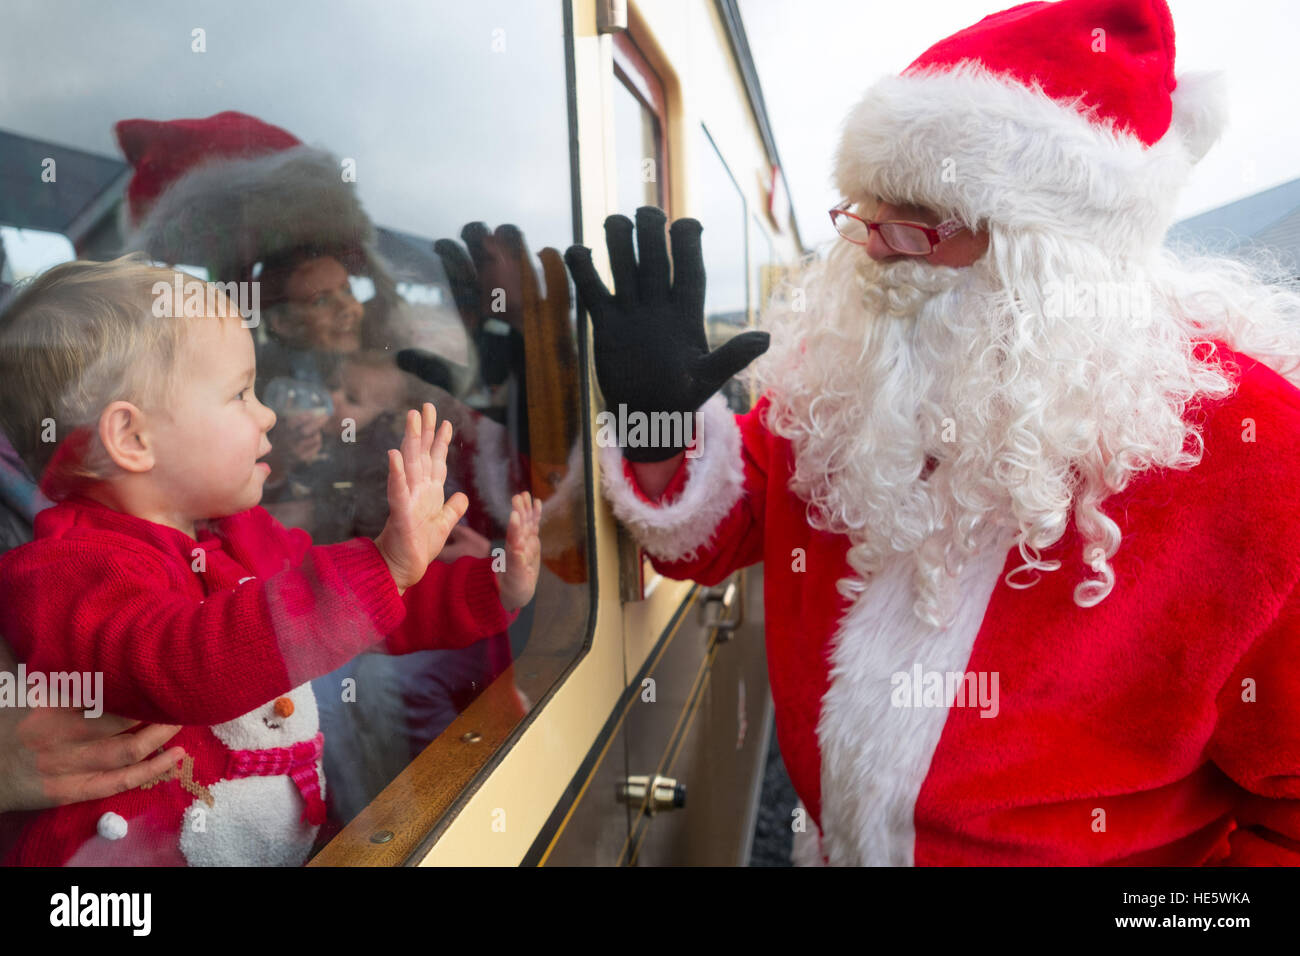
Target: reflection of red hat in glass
{"points": [[161, 152]]}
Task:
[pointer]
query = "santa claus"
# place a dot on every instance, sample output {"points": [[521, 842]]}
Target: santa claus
{"points": [[1023, 480]]}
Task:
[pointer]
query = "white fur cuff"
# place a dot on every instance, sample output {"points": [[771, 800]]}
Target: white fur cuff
{"points": [[715, 481]]}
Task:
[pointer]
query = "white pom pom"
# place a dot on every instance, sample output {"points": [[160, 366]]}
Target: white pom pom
{"points": [[111, 826], [1200, 104]]}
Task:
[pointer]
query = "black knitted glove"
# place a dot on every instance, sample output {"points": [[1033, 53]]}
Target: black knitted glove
{"points": [[649, 341]]}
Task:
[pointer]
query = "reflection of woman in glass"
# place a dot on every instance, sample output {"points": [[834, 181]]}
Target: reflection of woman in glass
{"points": [[312, 321]]}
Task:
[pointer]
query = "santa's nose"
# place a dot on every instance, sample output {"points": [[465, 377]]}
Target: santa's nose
{"points": [[283, 707], [879, 250]]}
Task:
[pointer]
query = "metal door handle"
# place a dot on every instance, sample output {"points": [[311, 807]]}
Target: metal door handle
{"points": [[725, 597], [666, 793]]}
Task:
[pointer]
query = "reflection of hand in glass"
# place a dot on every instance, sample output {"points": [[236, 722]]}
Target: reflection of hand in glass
{"points": [[486, 278], [304, 436], [523, 552], [524, 335], [463, 541], [302, 410], [503, 305]]}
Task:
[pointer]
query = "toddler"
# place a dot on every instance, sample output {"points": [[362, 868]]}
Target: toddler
{"points": [[157, 568]]}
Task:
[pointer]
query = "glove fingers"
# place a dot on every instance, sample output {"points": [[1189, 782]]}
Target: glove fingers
{"points": [[510, 236], [591, 290], [622, 258], [460, 273], [688, 268], [652, 249], [713, 370], [474, 235], [557, 283]]}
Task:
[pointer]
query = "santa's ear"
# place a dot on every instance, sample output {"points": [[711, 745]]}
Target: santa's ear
{"points": [[1200, 104]]}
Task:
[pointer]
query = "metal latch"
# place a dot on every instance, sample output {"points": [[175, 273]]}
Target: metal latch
{"points": [[725, 598], [665, 793]]}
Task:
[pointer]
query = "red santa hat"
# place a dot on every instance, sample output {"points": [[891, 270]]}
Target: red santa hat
{"points": [[162, 152], [227, 191], [1063, 117]]}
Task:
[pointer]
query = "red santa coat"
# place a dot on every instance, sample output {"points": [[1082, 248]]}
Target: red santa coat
{"points": [[201, 633], [1160, 727]]}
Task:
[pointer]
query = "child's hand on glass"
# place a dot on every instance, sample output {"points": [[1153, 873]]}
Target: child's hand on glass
{"points": [[523, 552], [419, 521]]}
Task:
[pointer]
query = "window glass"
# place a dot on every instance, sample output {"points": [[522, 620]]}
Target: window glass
{"points": [[763, 265], [720, 207], [380, 187], [640, 119], [636, 139]]}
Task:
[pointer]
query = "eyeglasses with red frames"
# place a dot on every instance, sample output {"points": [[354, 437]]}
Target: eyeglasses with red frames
{"points": [[905, 238]]}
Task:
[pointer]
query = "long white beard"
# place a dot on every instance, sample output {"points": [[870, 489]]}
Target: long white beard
{"points": [[876, 367]]}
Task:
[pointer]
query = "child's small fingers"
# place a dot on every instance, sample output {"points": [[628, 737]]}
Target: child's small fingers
{"points": [[412, 458], [429, 427], [396, 479], [454, 508], [442, 444]]}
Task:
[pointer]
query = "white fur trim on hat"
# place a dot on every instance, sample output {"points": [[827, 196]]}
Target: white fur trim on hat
{"points": [[715, 481], [1200, 104], [229, 213], [988, 149]]}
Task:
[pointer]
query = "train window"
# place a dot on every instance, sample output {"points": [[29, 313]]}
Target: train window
{"points": [[763, 266], [28, 252], [720, 207], [383, 185], [640, 118]]}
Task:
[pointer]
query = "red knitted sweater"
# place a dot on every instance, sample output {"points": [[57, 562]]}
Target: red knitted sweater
{"points": [[202, 631]]}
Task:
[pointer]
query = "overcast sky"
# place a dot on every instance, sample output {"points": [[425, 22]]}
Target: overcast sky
{"points": [[816, 57]]}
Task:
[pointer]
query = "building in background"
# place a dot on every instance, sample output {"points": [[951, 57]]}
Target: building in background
{"points": [[1267, 222]]}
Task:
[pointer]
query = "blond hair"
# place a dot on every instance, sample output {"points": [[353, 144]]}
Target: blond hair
{"points": [[75, 339]]}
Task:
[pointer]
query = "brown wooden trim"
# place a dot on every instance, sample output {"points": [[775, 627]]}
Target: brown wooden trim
{"points": [[413, 805]]}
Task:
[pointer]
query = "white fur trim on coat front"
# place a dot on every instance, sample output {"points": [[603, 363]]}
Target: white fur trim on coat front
{"points": [[987, 149], [715, 481], [875, 755]]}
